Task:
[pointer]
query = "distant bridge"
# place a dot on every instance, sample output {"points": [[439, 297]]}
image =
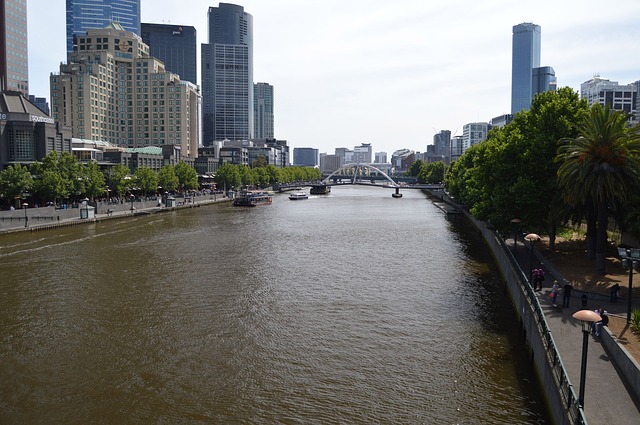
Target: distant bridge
{"points": [[369, 175]]}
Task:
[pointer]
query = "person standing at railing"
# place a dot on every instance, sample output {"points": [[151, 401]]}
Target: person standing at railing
{"points": [[554, 292]]}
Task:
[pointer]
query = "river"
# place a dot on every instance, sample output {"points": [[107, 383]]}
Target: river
{"points": [[349, 308]]}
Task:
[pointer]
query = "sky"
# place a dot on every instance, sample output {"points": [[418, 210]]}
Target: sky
{"points": [[389, 73]]}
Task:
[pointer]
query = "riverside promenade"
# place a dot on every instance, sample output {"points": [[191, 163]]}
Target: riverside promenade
{"points": [[608, 397], [46, 218]]}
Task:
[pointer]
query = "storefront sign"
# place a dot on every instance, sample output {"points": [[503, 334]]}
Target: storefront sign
{"points": [[37, 118]]}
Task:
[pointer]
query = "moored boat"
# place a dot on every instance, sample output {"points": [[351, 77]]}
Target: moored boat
{"points": [[251, 199], [320, 189]]}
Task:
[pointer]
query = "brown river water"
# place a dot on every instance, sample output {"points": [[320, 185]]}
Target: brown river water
{"points": [[352, 308]]}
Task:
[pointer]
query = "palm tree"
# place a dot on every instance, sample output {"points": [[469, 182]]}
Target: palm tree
{"points": [[600, 169]]}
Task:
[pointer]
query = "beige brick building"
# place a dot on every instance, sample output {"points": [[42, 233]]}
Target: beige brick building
{"points": [[110, 89]]}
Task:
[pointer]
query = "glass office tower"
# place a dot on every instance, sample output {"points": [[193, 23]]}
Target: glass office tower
{"points": [[14, 69], [227, 75], [83, 15], [525, 57], [175, 45]]}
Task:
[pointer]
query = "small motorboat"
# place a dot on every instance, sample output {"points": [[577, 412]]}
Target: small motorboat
{"points": [[298, 196]]}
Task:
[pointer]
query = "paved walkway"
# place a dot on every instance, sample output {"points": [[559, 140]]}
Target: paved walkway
{"points": [[606, 400], [119, 212]]}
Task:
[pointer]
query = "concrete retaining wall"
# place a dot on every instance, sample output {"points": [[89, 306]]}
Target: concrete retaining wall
{"points": [[629, 368], [558, 390]]}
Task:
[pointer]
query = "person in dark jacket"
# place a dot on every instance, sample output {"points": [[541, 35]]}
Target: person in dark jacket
{"points": [[566, 294]]}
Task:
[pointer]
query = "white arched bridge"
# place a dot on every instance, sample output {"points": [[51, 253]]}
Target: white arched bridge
{"points": [[370, 175]]}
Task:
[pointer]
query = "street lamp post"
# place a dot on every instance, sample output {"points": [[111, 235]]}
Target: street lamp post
{"points": [[532, 238], [516, 223], [26, 219], [587, 317], [630, 257]]}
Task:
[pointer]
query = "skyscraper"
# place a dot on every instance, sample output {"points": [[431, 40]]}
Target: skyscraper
{"points": [[14, 71], [525, 57], [227, 75], [263, 110], [83, 15], [175, 45], [528, 78]]}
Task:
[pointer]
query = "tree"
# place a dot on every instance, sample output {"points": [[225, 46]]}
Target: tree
{"points": [[58, 176], [15, 180], [513, 174], [94, 180], [600, 168], [432, 172], [168, 179], [146, 180], [228, 177], [246, 175], [259, 162], [187, 176], [118, 181], [415, 168]]}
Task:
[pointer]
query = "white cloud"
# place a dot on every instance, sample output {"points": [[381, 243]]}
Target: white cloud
{"points": [[389, 73]]}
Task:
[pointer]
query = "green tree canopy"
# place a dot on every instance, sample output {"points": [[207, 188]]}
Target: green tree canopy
{"points": [[187, 176], [431, 173], [94, 180], [512, 174], [15, 180], [168, 179], [117, 180], [228, 177], [600, 168], [146, 180]]}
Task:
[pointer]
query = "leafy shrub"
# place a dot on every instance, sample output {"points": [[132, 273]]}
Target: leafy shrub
{"points": [[635, 321]]}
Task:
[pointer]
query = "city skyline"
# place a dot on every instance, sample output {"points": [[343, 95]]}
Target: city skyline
{"points": [[391, 75]]}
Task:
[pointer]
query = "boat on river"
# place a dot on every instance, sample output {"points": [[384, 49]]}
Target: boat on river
{"points": [[298, 196], [320, 189], [251, 199]]}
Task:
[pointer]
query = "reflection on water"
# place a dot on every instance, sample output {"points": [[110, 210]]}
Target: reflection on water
{"points": [[349, 308]]}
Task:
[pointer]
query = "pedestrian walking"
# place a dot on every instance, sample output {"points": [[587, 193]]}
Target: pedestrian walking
{"points": [[555, 289], [614, 293], [604, 321], [566, 294]]}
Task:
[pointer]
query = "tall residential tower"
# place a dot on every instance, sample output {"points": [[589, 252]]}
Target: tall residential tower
{"points": [[14, 70], [525, 56], [84, 15], [263, 111], [227, 75], [527, 77]]}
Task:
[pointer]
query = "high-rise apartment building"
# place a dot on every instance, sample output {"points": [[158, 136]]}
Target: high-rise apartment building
{"points": [[380, 157], [527, 77], [14, 70], [227, 75], [84, 15], [609, 93], [474, 133], [442, 145], [175, 45], [525, 56], [110, 89], [263, 111], [363, 154]]}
